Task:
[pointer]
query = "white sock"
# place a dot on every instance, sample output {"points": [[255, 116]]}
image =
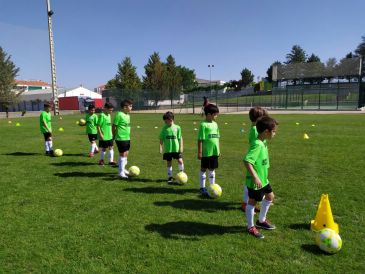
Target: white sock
{"points": [[169, 171], [111, 155], [211, 175], [102, 155], [181, 167], [46, 147], [122, 163], [265, 205], [250, 212], [50, 145], [92, 148], [245, 194], [202, 177], [95, 147]]}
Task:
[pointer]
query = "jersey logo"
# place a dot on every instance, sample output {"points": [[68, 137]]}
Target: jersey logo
{"points": [[211, 136], [170, 137], [264, 162]]}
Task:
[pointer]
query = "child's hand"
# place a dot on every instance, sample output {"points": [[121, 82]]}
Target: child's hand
{"points": [[161, 150], [258, 183], [102, 137]]}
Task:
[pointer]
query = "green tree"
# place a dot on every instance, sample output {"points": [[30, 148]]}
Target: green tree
{"points": [[296, 55], [246, 77], [171, 79], [360, 50], [153, 79], [313, 58], [187, 78], [127, 78], [8, 72]]}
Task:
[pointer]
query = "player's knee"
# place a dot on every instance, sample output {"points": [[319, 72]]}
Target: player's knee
{"points": [[270, 196]]}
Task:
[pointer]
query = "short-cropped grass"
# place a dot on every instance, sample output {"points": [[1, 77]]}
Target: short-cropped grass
{"points": [[69, 215]]}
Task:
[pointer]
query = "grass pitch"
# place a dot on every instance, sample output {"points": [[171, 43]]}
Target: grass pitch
{"points": [[69, 215]]}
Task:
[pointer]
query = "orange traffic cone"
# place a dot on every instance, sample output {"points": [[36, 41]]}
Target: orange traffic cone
{"points": [[324, 218]]}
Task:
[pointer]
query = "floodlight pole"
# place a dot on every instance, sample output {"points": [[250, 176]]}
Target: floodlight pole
{"points": [[53, 63], [210, 82]]}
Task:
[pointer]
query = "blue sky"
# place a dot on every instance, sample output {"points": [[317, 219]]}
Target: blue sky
{"points": [[91, 36]]}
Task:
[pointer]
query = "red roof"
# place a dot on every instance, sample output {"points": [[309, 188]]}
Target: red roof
{"points": [[37, 83]]}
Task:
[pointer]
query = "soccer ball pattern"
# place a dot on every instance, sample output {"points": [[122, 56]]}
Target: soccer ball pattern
{"points": [[134, 171], [328, 240], [182, 178], [214, 191]]}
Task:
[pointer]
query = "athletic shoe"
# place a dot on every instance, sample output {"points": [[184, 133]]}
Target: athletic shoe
{"points": [[96, 151], [101, 163], [112, 163], [254, 232], [265, 225], [204, 192], [91, 155], [170, 180], [123, 176]]}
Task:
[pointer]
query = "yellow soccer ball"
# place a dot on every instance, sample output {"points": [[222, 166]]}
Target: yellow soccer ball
{"points": [[82, 122], [58, 152], [134, 171], [328, 240], [182, 178], [214, 191]]}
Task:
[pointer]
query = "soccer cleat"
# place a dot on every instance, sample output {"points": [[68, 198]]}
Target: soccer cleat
{"points": [[254, 232], [123, 176], [91, 154], [170, 180], [265, 225], [112, 163], [101, 163], [204, 192]]}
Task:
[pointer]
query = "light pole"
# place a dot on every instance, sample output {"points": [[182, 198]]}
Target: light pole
{"points": [[210, 80], [53, 64]]}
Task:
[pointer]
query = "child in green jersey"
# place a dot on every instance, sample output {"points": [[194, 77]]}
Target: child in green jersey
{"points": [[122, 135], [104, 127], [91, 129], [257, 163], [171, 144], [254, 114], [208, 146], [46, 128]]}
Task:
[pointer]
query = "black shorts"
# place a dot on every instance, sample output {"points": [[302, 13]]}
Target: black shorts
{"points": [[92, 137], [123, 146], [258, 194], [105, 144], [172, 155], [209, 162], [47, 135]]}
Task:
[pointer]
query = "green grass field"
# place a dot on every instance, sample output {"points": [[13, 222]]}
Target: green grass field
{"points": [[69, 215]]}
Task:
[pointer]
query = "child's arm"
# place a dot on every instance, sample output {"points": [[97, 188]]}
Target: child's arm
{"points": [[200, 149], [100, 133], [181, 141], [161, 143], [114, 130], [253, 173]]}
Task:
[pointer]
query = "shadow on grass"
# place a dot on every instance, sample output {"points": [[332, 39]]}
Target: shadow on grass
{"points": [[191, 230], [74, 154], [314, 249], [201, 205], [73, 164], [81, 174], [18, 153], [160, 190], [303, 226]]}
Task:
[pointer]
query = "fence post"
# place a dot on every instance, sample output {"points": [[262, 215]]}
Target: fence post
{"points": [[319, 97], [286, 97]]}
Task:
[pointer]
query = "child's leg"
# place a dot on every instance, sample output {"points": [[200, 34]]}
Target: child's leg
{"points": [[49, 144], [93, 147], [202, 177], [265, 205], [102, 154], [245, 194], [111, 154], [169, 168], [123, 158], [180, 163], [250, 212], [211, 175]]}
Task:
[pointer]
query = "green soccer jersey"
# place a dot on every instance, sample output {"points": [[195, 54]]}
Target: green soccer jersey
{"points": [[258, 157], [170, 136], [252, 136], [91, 122], [122, 122], [45, 117], [209, 135], [105, 124]]}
